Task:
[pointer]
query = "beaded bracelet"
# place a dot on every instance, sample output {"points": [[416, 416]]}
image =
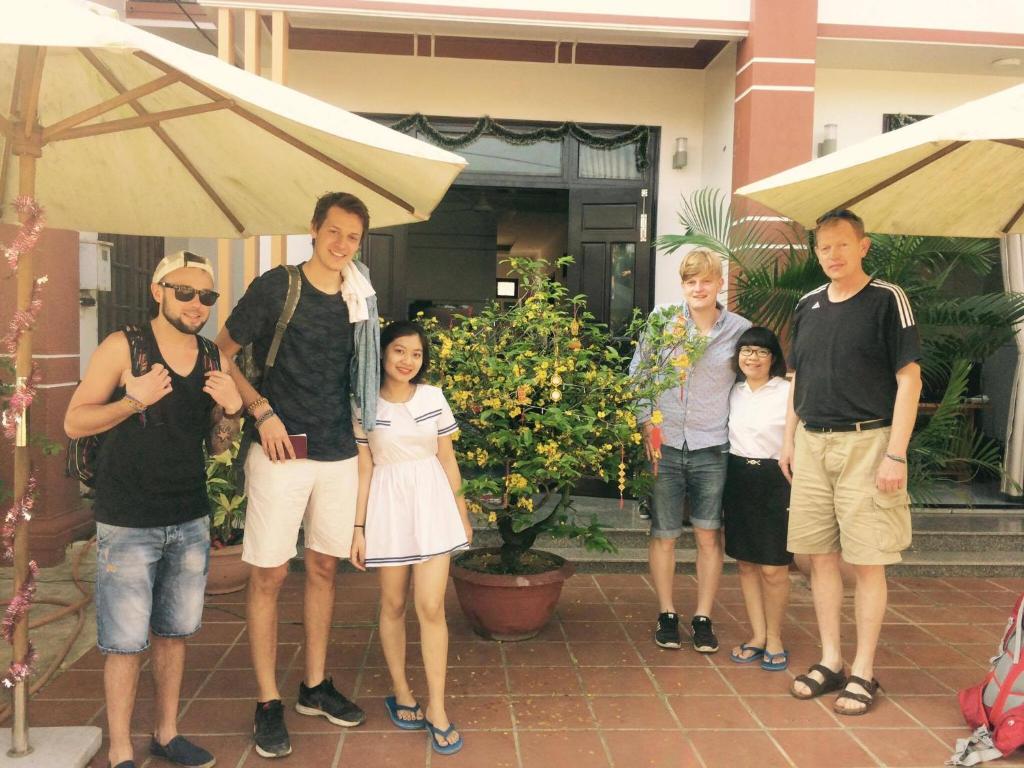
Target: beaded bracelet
{"points": [[134, 403], [264, 417], [253, 406]]}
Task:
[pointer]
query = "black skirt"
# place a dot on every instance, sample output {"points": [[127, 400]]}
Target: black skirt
{"points": [[756, 510]]}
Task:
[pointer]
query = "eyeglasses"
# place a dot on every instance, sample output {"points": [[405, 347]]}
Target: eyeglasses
{"points": [[759, 352], [186, 293], [842, 214]]}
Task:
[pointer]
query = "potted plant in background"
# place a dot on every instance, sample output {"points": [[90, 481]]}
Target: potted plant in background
{"points": [[777, 266], [227, 521], [544, 399]]}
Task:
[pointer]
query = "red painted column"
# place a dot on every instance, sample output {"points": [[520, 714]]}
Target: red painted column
{"points": [[774, 110], [59, 516]]}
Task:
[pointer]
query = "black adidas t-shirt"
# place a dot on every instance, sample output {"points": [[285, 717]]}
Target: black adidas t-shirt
{"points": [[846, 354], [309, 384]]}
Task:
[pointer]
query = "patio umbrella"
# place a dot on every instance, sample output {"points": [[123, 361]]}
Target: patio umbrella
{"points": [[113, 129], [957, 174]]}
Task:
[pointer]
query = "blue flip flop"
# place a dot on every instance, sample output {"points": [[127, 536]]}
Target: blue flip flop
{"points": [[447, 749], [418, 724], [757, 655], [775, 662]]}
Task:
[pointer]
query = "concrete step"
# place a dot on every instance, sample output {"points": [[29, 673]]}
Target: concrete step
{"points": [[947, 541], [991, 564]]}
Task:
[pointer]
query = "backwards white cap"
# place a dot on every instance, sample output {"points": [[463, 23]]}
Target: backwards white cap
{"points": [[179, 260]]}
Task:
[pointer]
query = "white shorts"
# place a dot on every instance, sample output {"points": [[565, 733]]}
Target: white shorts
{"points": [[319, 495]]}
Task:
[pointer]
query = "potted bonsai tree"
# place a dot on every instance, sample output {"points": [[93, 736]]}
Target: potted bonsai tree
{"points": [[227, 521], [543, 398]]}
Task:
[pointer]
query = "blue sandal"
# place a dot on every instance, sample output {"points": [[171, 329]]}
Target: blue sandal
{"points": [[756, 656], [775, 662], [443, 749], [416, 724]]}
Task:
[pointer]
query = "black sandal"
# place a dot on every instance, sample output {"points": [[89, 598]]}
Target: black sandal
{"points": [[832, 681], [867, 699]]}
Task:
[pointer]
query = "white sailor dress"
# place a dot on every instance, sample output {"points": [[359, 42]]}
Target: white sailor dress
{"points": [[411, 513]]}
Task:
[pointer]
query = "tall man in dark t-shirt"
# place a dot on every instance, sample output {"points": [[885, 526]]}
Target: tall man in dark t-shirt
{"points": [[152, 510], [330, 336], [857, 382]]}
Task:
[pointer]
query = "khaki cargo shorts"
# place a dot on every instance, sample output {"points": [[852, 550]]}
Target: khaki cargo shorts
{"points": [[835, 506]]}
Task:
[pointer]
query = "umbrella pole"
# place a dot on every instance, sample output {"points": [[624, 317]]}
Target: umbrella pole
{"points": [[22, 466]]}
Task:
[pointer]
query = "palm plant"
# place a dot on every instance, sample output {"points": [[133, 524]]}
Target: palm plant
{"points": [[777, 266]]}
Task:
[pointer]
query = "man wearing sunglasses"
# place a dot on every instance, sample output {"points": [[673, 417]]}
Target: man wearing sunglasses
{"points": [[152, 511], [853, 403]]}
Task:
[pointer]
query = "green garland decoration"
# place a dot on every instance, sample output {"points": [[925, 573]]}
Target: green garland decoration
{"points": [[638, 135]]}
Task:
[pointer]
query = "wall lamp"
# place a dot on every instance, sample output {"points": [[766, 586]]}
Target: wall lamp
{"points": [[829, 144], [679, 156]]}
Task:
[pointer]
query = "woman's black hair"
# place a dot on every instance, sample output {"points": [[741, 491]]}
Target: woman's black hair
{"points": [[759, 336], [400, 328]]}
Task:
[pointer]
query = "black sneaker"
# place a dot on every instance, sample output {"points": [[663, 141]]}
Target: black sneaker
{"points": [[324, 701], [183, 752], [667, 633], [269, 731], [643, 510], [704, 639]]}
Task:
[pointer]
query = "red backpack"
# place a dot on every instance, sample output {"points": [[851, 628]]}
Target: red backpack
{"points": [[995, 707]]}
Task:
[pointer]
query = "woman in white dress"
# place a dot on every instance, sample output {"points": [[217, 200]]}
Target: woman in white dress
{"points": [[410, 517]]}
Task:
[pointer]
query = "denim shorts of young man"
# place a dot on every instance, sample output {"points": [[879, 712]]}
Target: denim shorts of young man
{"points": [[698, 475], [149, 580]]}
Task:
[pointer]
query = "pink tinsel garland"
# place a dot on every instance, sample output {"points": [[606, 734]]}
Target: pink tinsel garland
{"points": [[20, 510], [28, 235], [23, 319]]}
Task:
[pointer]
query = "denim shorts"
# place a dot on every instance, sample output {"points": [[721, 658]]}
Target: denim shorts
{"points": [[149, 579], [695, 475]]}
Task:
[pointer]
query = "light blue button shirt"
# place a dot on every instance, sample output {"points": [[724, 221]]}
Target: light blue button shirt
{"points": [[696, 414]]}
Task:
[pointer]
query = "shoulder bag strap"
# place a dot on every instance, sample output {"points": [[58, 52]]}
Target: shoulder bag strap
{"points": [[210, 353], [290, 302]]}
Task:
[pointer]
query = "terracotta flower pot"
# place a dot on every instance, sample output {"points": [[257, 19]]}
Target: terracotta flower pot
{"points": [[509, 607], [227, 571]]}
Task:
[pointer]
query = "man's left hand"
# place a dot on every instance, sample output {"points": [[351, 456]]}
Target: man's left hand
{"points": [[891, 475], [221, 387]]}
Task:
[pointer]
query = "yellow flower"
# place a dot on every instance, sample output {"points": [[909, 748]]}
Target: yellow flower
{"points": [[656, 417], [492, 518], [525, 503]]}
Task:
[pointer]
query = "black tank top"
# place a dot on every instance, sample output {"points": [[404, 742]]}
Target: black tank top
{"points": [[153, 473]]}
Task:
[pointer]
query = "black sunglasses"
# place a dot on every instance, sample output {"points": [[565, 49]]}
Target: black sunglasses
{"points": [[843, 214], [186, 293]]}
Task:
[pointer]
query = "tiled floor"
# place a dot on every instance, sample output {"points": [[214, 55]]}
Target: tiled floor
{"points": [[592, 689]]}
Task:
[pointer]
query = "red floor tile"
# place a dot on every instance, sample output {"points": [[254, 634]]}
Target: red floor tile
{"points": [[813, 749], [699, 681], [633, 712], [546, 654], [605, 654], [480, 712], [616, 680], [740, 748], [905, 746], [530, 680], [711, 712], [650, 749], [490, 749], [579, 749], [788, 712], [552, 712], [309, 749]]}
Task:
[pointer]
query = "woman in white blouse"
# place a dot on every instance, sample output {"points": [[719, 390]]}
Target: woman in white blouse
{"points": [[756, 501]]}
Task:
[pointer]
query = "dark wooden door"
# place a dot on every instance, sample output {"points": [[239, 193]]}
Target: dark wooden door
{"points": [[132, 261], [384, 254], [611, 251]]}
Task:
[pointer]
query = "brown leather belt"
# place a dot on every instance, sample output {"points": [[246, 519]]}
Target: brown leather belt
{"points": [[858, 426]]}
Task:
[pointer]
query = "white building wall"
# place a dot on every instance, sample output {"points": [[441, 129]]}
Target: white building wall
{"points": [[673, 99], [985, 16], [855, 100]]}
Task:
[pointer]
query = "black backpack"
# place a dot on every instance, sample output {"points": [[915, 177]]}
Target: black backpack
{"points": [[83, 452]]}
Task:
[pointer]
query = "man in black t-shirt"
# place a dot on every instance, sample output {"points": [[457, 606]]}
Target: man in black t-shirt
{"points": [[306, 393], [152, 510], [854, 350]]}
